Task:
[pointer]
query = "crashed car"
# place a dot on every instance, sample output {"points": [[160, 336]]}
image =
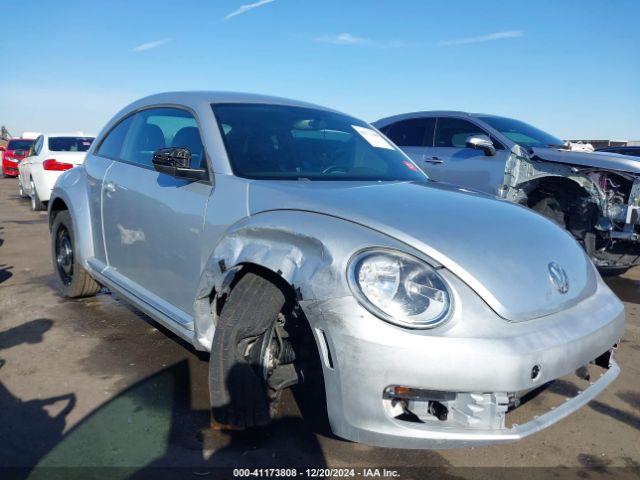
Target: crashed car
{"points": [[302, 249], [595, 196]]}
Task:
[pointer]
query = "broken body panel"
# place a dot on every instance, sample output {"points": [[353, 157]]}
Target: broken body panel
{"points": [[595, 196], [614, 194], [508, 329]]}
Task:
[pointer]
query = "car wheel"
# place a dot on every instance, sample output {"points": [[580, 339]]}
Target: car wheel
{"points": [[250, 362], [551, 208], [73, 279], [36, 204], [21, 192]]}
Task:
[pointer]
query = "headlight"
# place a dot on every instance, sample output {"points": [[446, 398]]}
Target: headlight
{"points": [[399, 288]]}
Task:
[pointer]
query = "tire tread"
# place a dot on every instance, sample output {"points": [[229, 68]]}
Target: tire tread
{"points": [[238, 397]]}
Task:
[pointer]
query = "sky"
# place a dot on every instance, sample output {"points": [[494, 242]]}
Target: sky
{"points": [[571, 68]]}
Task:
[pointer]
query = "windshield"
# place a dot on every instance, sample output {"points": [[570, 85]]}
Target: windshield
{"points": [[522, 133], [69, 144], [290, 143], [19, 144]]}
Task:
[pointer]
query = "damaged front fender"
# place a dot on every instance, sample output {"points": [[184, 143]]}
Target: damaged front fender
{"points": [[615, 195], [297, 246]]}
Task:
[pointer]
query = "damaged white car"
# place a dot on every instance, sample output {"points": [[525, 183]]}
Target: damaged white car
{"points": [[304, 250], [595, 196]]}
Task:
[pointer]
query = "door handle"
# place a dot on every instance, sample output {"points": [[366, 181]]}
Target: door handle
{"points": [[433, 160], [110, 186]]}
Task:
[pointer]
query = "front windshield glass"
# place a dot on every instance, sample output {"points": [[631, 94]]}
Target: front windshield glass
{"points": [[522, 133], [290, 143]]}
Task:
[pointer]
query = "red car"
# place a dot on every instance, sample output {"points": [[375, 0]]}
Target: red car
{"points": [[17, 149]]}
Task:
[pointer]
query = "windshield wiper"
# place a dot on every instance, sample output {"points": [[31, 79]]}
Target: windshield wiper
{"points": [[562, 146]]}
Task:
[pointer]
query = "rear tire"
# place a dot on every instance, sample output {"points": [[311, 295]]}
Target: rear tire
{"points": [[36, 204], [240, 395], [21, 193], [73, 279]]}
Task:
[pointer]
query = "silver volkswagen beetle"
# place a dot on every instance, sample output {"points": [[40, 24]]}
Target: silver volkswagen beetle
{"points": [[303, 250]]}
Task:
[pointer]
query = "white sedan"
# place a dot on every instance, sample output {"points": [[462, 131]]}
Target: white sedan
{"points": [[50, 155]]}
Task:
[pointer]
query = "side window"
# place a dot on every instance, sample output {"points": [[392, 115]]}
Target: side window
{"points": [[453, 132], [415, 132], [111, 146], [157, 128], [36, 147]]}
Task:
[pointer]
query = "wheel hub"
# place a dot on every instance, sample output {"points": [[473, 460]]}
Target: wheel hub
{"points": [[271, 355], [64, 255]]}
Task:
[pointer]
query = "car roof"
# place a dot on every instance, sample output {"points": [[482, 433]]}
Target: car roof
{"points": [[211, 97], [430, 113], [69, 134]]}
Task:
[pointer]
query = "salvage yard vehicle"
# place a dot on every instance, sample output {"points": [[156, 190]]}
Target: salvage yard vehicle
{"points": [[48, 157], [15, 151], [304, 250], [595, 196]]}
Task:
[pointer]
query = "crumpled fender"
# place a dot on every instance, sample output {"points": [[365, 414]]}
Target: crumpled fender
{"points": [[301, 247]]}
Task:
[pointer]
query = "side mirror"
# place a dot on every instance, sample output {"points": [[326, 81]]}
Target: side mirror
{"points": [[177, 163], [481, 142], [3, 148]]}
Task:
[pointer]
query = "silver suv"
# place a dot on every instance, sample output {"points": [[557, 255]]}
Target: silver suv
{"points": [[302, 248], [595, 196]]}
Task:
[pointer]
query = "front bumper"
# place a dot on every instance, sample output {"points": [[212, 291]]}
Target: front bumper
{"points": [[475, 355], [10, 168]]}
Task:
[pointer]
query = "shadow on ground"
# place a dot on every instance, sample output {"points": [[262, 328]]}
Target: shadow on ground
{"points": [[29, 429], [625, 288], [152, 431]]}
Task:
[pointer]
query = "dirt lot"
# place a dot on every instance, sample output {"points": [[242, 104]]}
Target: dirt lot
{"points": [[92, 383]]}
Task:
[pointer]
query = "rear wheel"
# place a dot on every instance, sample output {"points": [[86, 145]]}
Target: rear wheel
{"points": [[36, 204], [73, 279], [21, 191]]}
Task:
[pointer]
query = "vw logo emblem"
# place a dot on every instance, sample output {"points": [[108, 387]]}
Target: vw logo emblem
{"points": [[558, 277]]}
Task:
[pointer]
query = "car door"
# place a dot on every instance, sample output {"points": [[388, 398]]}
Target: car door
{"points": [[413, 135], [153, 222], [96, 164], [463, 166]]}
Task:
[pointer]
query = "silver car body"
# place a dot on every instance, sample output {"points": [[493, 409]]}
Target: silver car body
{"points": [[171, 247], [610, 182]]}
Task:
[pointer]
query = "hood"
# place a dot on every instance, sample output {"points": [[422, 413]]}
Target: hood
{"points": [[501, 250], [606, 160]]}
